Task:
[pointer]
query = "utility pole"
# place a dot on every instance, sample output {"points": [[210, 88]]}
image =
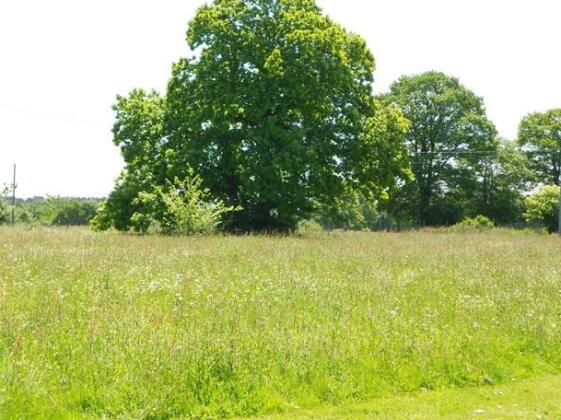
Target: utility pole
{"points": [[14, 198]]}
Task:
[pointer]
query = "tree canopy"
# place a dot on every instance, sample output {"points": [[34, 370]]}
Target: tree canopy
{"points": [[273, 110], [449, 137], [539, 136]]}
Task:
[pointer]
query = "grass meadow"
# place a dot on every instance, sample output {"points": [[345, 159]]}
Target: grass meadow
{"points": [[112, 325]]}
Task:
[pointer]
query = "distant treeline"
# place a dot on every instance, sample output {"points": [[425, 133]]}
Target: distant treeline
{"points": [[51, 211]]}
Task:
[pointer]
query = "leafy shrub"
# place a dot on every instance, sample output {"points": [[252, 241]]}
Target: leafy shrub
{"points": [[102, 220], [4, 208], [479, 223], [180, 207], [25, 217], [3, 213], [542, 208]]}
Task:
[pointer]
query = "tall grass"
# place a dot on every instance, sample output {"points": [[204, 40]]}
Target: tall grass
{"points": [[152, 327]]}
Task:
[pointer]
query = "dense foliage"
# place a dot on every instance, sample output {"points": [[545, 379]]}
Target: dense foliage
{"points": [[3, 207], [540, 137], [273, 111], [470, 224], [181, 207], [3, 212], [542, 207]]}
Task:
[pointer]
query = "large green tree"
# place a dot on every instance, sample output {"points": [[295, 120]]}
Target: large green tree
{"points": [[539, 135], [449, 137], [273, 110]]}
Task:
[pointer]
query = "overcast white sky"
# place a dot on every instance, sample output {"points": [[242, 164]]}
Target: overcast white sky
{"points": [[63, 61]]}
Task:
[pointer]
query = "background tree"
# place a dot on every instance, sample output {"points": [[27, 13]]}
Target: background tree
{"points": [[496, 185], [139, 133], [274, 112], [449, 135], [539, 135], [543, 208]]}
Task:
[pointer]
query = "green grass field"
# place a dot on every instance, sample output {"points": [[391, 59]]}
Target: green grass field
{"points": [[357, 324]]}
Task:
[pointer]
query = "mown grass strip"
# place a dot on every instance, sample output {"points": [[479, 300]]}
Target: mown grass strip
{"points": [[528, 399]]}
